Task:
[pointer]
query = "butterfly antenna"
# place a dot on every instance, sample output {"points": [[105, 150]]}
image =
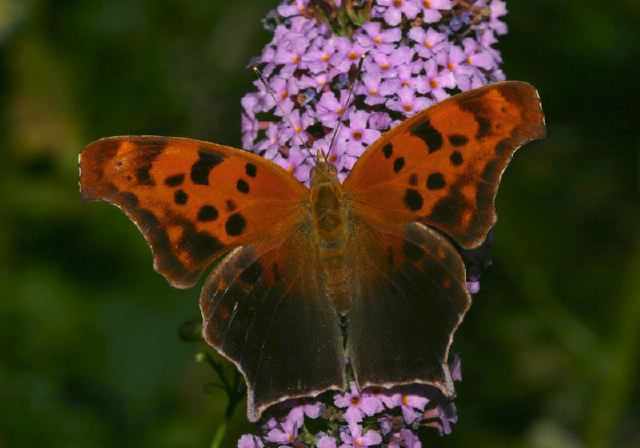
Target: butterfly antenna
{"points": [[284, 114], [353, 86]]}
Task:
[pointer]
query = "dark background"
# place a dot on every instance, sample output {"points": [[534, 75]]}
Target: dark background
{"points": [[89, 353]]}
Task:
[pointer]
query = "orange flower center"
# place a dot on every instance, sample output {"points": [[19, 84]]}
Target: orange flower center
{"points": [[283, 95], [405, 400], [428, 44], [469, 60], [296, 58], [397, 3], [340, 111], [353, 55], [451, 66], [355, 401], [377, 39], [426, 3], [385, 66], [373, 91], [325, 58], [291, 169], [357, 135], [332, 158], [408, 107], [298, 129], [433, 83]]}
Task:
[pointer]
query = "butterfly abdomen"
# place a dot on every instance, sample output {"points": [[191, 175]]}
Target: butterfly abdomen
{"points": [[328, 208]]}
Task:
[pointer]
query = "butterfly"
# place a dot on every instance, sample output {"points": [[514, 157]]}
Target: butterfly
{"points": [[308, 278]]}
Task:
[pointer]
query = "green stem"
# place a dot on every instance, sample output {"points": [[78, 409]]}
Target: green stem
{"points": [[220, 433]]}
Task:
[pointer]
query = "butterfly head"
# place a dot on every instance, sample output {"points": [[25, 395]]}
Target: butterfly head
{"points": [[323, 172]]}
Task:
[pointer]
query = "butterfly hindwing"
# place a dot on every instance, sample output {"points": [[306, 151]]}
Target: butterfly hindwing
{"points": [[266, 310], [411, 297], [442, 167], [192, 200]]}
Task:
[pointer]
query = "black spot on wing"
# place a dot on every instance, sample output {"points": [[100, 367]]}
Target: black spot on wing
{"points": [[413, 200], [458, 139], [207, 213], [206, 162], [143, 175], [235, 224], [128, 200], [484, 127], [387, 150], [180, 197], [430, 135], [398, 164], [456, 158], [412, 252], [448, 211], [250, 169], [504, 146], [242, 186], [174, 181], [200, 246], [435, 181]]}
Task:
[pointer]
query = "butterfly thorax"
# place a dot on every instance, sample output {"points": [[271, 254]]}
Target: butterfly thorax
{"points": [[330, 214]]}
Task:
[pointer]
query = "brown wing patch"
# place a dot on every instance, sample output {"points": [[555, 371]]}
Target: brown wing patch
{"points": [[442, 167], [266, 311], [410, 299], [192, 200]]}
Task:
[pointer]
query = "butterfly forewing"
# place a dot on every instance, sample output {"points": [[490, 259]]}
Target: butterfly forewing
{"points": [[192, 200], [442, 167]]}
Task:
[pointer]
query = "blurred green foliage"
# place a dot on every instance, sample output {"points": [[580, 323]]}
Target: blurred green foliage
{"points": [[89, 353]]}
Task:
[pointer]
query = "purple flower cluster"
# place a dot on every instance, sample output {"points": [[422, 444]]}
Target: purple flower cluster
{"points": [[416, 52], [413, 53], [359, 418]]}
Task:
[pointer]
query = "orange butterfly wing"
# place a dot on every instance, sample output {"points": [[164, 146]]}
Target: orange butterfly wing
{"points": [[192, 200], [442, 167]]}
